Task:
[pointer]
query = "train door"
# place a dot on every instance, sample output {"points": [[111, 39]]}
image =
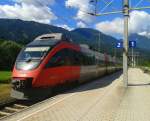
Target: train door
{"points": [[106, 62], [75, 64]]}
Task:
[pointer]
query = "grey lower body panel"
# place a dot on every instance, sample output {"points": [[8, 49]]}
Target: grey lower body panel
{"points": [[17, 94], [91, 72], [33, 93]]}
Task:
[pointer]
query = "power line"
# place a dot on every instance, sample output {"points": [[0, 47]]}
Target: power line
{"points": [[138, 3], [108, 4], [105, 2]]}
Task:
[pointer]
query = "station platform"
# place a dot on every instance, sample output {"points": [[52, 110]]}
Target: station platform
{"points": [[105, 99]]}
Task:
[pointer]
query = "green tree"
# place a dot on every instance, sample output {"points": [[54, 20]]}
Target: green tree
{"points": [[8, 53]]}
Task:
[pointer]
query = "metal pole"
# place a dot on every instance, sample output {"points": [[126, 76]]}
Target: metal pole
{"points": [[99, 41], [132, 58], [138, 60], [125, 43], [115, 53]]}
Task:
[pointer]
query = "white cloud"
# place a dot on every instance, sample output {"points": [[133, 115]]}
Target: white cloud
{"points": [[36, 2], [139, 22], [145, 33], [111, 27], [65, 26], [29, 12], [83, 7], [80, 24]]}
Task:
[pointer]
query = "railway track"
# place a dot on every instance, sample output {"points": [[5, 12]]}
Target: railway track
{"points": [[11, 109], [14, 107]]}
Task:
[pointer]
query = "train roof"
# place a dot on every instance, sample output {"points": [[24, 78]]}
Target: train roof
{"points": [[49, 39], [52, 36]]}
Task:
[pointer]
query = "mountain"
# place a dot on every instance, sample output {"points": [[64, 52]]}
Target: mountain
{"points": [[142, 46], [142, 42], [91, 34], [25, 31], [97, 39]]}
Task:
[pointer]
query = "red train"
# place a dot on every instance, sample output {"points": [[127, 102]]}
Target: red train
{"points": [[51, 60]]}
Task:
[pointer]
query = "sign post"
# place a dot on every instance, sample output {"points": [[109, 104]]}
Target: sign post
{"points": [[132, 44], [119, 45]]}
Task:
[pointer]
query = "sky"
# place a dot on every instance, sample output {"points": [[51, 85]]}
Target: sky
{"points": [[71, 14]]}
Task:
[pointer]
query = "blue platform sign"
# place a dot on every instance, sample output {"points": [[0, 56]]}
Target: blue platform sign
{"points": [[132, 44], [119, 45]]}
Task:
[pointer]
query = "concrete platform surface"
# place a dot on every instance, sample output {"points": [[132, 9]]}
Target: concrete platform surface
{"points": [[102, 100], [135, 105]]}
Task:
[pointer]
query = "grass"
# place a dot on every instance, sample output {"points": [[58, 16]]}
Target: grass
{"points": [[5, 93], [5, 87], [5, 76]]}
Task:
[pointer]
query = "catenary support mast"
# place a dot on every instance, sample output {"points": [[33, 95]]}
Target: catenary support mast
{"points": [[125, 42]]}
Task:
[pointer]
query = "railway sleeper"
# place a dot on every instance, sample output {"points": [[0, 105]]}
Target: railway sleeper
{"points": [[20, 106], [12, 109], [3, 113]]}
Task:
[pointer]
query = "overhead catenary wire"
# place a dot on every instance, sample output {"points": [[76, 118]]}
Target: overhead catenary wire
{"points": [[105, 2], [138, 3], [109, 3]]}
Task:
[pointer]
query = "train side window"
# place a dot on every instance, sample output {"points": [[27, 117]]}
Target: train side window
{"points": [[81, 58], [56, 60], [87, 59], [101, 63], [61, 58], [75, 58]]}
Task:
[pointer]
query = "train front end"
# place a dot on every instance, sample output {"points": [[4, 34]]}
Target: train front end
{"points": [[28, 78], [26, 71]]}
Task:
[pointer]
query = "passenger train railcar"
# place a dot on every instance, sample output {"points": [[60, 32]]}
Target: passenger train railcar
{"points": [[51, 60]]}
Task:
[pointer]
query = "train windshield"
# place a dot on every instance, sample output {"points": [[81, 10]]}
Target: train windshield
{"points": [[30, 57], [33, 53]]}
